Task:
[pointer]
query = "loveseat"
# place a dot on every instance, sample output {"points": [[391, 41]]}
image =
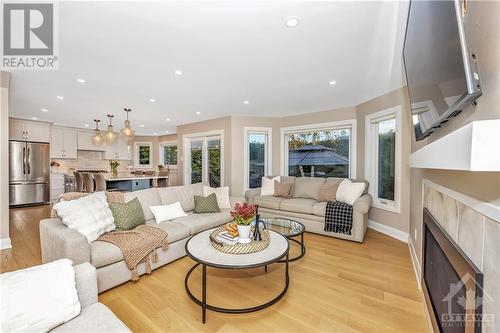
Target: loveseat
{"points": [[303, 206], [58, 241]]}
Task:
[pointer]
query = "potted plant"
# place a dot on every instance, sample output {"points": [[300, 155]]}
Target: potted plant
{"points": [[243, 215], [114, 164]]}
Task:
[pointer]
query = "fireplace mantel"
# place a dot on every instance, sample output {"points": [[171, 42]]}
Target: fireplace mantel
{"points": [[473, 147]]}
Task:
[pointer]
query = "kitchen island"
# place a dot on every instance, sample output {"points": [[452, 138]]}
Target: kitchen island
{"points": [[135, 183]]}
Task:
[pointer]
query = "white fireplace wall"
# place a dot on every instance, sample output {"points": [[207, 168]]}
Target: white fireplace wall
{"points": [[476, 234]]}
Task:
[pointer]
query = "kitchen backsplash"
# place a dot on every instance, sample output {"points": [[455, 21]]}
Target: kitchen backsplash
{"points": [[88, 160]]}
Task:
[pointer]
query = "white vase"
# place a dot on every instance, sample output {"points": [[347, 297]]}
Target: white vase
{"points": [[244, 234]]}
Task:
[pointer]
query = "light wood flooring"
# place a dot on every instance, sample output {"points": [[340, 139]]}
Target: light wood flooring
{"points": [[339, 286]]}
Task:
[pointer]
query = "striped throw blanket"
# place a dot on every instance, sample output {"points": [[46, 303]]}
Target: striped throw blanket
{"points": [[338, 217]]}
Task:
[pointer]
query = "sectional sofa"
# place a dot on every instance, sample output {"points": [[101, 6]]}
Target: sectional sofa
{"points": [[58, 241], [305, 207]]}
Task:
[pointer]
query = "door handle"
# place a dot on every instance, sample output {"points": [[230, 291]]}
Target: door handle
{"points": [[24, 160], [28, 161]]}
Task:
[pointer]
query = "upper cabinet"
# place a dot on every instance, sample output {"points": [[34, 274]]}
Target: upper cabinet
{"points": [[24, 130], [85, 141], [63, 143], [120, 150]]}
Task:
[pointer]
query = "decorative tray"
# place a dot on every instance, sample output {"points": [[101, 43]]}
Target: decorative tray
{"points": [[239, 248]]}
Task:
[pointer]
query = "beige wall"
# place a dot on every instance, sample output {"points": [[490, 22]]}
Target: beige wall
{"points": [[4, 156], [223, 123], [483, 33], [173, 177], [339, 114], [397, 97], [156, 149]]}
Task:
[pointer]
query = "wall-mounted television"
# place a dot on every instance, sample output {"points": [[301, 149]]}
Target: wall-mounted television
{"points": [[441, 72]]}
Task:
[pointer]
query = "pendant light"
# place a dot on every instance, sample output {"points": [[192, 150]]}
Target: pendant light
{"points": [[110, 136], [97, 138], [127, 133]]}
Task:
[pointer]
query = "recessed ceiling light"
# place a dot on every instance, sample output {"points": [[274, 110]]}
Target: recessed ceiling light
{"points": [[80, 80], [292, 22], [34, 118], [198, 112], [155, 133], [60, 97], [246, 102], [152, 100], [178, 72], [45, 110], [87, 125], [333, 82], [142, 125], [168, 119], [166, 132]]}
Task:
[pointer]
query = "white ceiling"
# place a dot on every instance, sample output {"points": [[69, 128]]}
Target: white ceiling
{"points": [[228, 51]]}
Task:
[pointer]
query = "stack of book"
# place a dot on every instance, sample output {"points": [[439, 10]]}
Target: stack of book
{"points": [[226, 238]]}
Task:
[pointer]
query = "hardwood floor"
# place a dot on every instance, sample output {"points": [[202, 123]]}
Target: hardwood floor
{"points": [[339, 286]]}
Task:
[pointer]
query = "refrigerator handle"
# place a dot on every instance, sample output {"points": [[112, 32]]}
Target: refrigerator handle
{"points": [[24, 160], [28, 161]]}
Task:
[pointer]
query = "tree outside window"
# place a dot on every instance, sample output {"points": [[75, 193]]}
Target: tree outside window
{"points": [[144, 155]]}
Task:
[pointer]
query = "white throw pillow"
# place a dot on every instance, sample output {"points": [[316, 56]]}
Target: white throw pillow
{"points": [[268, 185], [167, 212], [89, 215], [222, 194], [349, 192], [38, 298]]}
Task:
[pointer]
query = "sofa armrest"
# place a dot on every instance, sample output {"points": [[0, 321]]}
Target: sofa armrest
{"points": [[57, 241], [251, 194], [86, 284], [235, 200], [363, 204]]}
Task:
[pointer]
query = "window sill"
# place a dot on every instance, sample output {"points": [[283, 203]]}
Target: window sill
{"points": [[390, 207]]}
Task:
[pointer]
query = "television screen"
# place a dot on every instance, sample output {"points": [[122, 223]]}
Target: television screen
{"points": [[436, 64]]}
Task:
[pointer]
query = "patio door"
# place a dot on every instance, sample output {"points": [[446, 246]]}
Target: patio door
{"points": [[204, 160]]}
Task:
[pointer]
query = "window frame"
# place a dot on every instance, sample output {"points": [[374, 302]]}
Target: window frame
{"points": [[161, 153], [268, 161], [371, 157], [136, 155], [336, 125]]}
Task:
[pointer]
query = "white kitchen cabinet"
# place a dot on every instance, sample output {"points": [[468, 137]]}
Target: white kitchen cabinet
{"points": [[24, 130], [120, 150], [85, 141], [63, 143]]}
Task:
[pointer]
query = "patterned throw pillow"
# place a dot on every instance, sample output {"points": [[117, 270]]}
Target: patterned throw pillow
{"points": [[128, 215], [206, 204], [282, 189]]}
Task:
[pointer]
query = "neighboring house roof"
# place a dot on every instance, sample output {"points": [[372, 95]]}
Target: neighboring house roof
{"points": [[315, 155]]}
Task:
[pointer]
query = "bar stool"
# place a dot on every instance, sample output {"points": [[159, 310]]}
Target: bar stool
{"points": [[100, 182], [78, 181], [88, 182]]}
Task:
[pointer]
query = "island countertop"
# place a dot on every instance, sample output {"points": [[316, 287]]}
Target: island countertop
{"points": [[131, 177]]}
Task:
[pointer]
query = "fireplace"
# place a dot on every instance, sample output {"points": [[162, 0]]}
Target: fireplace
{"points": [[452, 284]]}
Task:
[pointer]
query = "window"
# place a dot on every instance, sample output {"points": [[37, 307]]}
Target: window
{"points": [[143, 155], [383, 158], [320, 151], [168, 153], [258, 156]]}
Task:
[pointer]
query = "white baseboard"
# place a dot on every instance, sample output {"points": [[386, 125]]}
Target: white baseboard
{"points": [[415, 262], [5, 243], [389, 231]]}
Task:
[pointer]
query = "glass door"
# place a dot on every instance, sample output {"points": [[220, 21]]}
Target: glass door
{"points": [[196, 161], [214, 162], [205, 160]]}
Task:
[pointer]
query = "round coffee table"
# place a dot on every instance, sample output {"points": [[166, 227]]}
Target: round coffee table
{"points": [[199, 248], [288, 228]]}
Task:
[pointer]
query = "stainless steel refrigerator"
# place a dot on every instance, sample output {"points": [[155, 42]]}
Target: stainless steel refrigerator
{"points": [[29, 181]]}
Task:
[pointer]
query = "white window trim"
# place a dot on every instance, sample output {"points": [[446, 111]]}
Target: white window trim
{"points": [[268, 168], [371, 168], [136, 155], [350, 124], [186, 154], [168, 144]]}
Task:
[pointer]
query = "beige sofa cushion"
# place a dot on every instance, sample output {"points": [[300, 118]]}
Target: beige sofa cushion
{"points": [[268, 201], [307, 187], [299, 205], [201, 222], [319, 209], [183, 194], [147, 198], [104, 253]]}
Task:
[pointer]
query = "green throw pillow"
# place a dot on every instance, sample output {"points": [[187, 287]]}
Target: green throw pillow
{"points": [[206, 204], [127, 215]]}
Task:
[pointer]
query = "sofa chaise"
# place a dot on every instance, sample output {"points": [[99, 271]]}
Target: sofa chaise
{"points": [[58, 241], [304, 206]]}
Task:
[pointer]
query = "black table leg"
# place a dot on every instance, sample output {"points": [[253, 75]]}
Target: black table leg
{"points": [[265, 268], [204, 294]]}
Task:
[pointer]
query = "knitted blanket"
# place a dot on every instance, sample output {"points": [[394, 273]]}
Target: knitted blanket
{"points": [[138, 245], [338, 217]]}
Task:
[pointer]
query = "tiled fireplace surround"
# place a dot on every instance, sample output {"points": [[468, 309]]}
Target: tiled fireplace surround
{"points": [[476, 234]]}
